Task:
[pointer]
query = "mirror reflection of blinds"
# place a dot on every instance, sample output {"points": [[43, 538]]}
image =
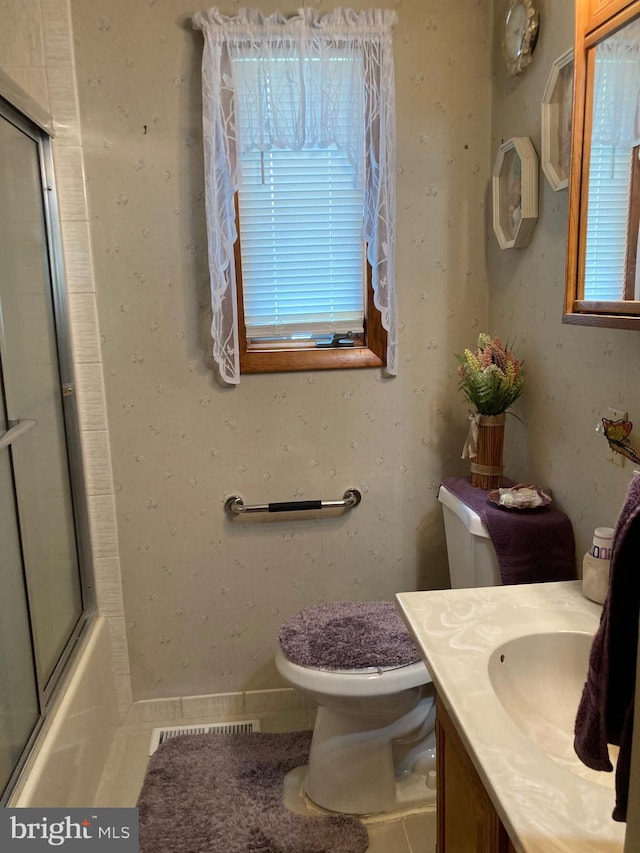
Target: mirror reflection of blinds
{"points": [[302, 248], [606, 239]]}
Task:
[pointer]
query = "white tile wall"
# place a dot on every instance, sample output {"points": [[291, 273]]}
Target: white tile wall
{"points": [[217, 706], [62, 99], [77, 255], [152, 710], [84, 327], [90, 384], [108, 587], [259, 701], [207, 708], [104, 537], [70, 182], [98, 475]]}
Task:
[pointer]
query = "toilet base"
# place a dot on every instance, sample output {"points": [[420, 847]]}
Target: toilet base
{"points": [[411, 796], [367, 763]]}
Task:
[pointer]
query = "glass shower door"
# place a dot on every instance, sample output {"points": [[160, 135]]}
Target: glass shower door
{"points": [[19, 708], [41, 604]]}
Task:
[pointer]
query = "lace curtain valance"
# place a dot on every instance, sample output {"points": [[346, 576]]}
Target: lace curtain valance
{"points": [[294, 94]]}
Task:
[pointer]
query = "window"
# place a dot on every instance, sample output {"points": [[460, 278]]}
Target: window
{"points": [[301, 268], [299, 165]]}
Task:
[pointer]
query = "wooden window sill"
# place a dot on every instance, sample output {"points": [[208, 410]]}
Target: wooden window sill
{"points": [[613, 315], [288, 359]]}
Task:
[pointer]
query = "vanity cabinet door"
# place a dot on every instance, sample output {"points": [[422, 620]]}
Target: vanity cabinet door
{"points": [[467, 820]]}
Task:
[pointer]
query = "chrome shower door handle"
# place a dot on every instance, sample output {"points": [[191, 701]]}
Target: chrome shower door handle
{"points": [[16, 430]]}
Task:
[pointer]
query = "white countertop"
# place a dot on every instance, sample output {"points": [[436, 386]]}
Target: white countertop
{"points": [[547, 806]]}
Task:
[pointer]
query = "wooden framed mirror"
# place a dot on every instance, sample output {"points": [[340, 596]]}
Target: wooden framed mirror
{"points": [[603, 278]]}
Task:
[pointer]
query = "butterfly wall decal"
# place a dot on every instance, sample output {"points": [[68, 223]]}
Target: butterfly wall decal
{"points": [[617, 434]]}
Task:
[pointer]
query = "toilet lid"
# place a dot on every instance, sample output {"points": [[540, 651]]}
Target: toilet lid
{"points": [[348, 635]]}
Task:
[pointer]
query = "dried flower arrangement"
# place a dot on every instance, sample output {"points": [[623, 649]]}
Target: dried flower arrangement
{"points": [[491, 377]]}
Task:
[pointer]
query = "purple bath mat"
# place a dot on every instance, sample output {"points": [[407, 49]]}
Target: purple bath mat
{"points": [[222, 793]]}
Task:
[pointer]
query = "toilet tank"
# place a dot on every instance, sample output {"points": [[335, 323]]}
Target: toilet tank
{"points": [[472, 557]]}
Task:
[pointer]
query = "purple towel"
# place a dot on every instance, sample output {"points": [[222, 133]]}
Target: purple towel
{"points": [[531, 547], [605, 713]]}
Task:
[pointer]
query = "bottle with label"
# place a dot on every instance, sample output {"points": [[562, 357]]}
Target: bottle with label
{"points": [[595, 565]]}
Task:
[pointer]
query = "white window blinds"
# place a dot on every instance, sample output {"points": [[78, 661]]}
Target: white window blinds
{"points": [[606, 243], [301, 238], [301, 205], [615, 131]]}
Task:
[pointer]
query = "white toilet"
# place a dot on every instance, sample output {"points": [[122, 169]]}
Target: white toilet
{"points": [[373, 746]]}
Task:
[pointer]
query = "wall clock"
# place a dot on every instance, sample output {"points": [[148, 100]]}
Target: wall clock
{"points": [[515, 193], [520, 34]]}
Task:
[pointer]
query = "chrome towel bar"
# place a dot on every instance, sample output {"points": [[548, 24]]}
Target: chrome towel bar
{"points": [[234, 505]]}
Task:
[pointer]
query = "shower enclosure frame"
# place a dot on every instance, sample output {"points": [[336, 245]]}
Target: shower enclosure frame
{"points": [[34, 126]]}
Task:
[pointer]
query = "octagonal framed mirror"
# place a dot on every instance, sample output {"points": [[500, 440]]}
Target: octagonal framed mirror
{"points": [[515, 192], [556, 117]]}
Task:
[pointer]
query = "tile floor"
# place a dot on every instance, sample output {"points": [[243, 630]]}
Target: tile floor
{"points": [[409, 832]]}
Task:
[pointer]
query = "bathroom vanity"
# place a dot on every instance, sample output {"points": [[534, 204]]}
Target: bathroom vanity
{"points": [[509, 664], [467, 819]]}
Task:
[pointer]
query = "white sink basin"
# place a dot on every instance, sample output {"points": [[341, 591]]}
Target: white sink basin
{"points": [[538, 678]]}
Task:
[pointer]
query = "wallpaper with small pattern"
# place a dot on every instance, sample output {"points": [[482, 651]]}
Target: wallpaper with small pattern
{"points": [[205, 596]]}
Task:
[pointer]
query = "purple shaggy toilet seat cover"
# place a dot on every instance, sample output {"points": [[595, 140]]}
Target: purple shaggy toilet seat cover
{"points": [[348, 635]]}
